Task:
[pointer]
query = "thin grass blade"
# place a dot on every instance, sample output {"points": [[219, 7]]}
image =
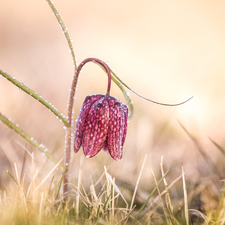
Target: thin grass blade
{"points": [[185, 198], [218, 146], [47, 175], [153, 191], [35, 96], [220, 205], [12, 177], [40, 147], [206, 157], [115, 187], [64, 29], [60, 183], [138, 180]]}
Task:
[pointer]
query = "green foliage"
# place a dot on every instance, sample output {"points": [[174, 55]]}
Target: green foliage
{"points": [[36, 96]]}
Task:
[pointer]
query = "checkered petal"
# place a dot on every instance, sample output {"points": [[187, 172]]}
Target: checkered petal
{"points": [[96, 127], [117, 128], [88, 102]]}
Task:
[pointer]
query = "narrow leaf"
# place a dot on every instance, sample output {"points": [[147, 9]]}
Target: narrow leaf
{"points": [[62, 25], [143, 206], [159, 103], [220, 205], [35, 96], [40, 147], [126, 95], [60, 181], [185, 198], [218, 146], [12, 177]]}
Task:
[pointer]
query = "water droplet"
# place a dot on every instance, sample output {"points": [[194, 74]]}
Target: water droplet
{"points": [[41, 146]]}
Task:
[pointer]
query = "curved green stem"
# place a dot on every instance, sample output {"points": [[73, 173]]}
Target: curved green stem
{"points": [[126, 95], [35, 96], [70, 114]]}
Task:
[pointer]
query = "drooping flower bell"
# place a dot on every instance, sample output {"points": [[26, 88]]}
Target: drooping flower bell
{"points": [[102, 124]]}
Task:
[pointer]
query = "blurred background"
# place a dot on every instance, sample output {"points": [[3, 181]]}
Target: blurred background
{"points": [[165, 50]]}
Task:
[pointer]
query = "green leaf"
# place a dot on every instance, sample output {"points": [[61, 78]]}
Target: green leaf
{"points": [[119, 84], [35, 96], [150, 100], [12, 177], [40, 147], [129, 102], [64, 29], [218, 146], [143, 206]]}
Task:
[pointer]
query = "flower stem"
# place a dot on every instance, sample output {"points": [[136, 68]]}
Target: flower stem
{"points": [[67, 158], [102, 64]]}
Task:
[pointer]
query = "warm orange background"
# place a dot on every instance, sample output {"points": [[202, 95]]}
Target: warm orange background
{"points": [[165, 50]]}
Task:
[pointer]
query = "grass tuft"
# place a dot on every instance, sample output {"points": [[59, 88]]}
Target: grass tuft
{"points": [[40, 201]]}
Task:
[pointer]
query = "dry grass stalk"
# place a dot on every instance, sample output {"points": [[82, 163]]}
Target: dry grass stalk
{"points": [[40, 208], [47, 176], [78, 187], [185, 198], [139, 177], [160, 197], [167, 196]]}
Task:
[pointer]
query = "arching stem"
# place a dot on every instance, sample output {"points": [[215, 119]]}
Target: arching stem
{"points": [[68, 138]]}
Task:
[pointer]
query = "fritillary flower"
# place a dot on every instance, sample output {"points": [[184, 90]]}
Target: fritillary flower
{"points": [[102, 123]]}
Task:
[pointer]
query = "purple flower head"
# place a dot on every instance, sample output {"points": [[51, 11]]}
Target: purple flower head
{"points": [[102, 123]]}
